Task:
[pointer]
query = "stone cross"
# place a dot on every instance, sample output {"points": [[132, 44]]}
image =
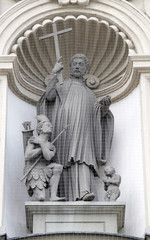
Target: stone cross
{"points": [[55, 35]]}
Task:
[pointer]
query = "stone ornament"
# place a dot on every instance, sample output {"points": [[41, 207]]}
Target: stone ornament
{"points": [[79, 2], [111, 184], [92, 81], [40, 172], [81, 150], [66, 2], [35, 58]]}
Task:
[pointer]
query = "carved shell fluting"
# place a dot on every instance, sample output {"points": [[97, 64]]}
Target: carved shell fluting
{"points": [[105, 46]]}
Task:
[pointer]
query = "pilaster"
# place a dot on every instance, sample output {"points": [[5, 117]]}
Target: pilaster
{"points": [[3, 109], [145, 115], [6, 66]]}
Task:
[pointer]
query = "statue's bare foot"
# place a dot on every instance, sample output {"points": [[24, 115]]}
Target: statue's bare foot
{"points": [[88, 197], [56, 199]]}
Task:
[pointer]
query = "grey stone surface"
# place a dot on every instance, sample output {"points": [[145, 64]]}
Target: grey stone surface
{"points": [[40, 172], [87, 141], [111, 184], [2, 230], [77, 216]]}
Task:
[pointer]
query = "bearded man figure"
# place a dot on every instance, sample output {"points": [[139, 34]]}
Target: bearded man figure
{"points": [[87, 141]]}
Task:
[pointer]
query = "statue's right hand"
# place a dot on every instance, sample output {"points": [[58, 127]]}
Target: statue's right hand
{"points": [[58, 66]]}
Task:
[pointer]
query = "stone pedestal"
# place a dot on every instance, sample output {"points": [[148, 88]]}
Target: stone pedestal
{"points": [[58, 217]]}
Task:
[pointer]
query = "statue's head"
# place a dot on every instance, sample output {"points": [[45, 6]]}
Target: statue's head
{"points": [[44, 125], [79, 64], [109, 171]]}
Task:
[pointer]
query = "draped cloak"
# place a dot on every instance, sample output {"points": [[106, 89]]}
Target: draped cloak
{"points": [[89, 135]]}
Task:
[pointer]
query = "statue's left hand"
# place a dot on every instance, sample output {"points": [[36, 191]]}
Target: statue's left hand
{"points": [[105, 104], [106, 101]]}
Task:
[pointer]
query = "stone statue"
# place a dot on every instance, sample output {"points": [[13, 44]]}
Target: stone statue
{"points": [[45, 173], [87, 141], [111, 184]]}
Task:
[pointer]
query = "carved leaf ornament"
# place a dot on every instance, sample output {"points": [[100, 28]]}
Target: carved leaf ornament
{"points": [[106, 47]]}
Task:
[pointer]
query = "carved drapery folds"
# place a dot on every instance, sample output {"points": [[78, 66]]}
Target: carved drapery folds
{"points": [[106, 47]]}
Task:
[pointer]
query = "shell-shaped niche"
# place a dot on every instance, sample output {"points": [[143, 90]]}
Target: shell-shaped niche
{"points": [[106, 47]]}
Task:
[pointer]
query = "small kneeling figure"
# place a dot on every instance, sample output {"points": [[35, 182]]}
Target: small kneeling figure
{"points": [[45, 173], [111, 184]]}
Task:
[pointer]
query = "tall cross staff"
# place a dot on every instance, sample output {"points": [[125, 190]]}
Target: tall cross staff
{"points": [[55, 35]]}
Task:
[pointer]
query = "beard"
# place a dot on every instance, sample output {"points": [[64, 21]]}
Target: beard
{"points": [[77, 74]]}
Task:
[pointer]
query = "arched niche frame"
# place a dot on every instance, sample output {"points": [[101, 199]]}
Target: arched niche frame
{"points": [[113, 34]]}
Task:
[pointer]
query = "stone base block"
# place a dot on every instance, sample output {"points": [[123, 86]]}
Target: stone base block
{"points": [[43, 217]]}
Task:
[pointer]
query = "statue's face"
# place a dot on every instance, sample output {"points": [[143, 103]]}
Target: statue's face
{"points": [[78, 67], [47, 127]]}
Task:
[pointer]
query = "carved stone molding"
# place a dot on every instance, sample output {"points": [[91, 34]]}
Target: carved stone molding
{"points": [[147, 7], [79, 2]]}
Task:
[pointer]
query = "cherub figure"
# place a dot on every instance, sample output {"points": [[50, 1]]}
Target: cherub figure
{"points": [[45, 174], [111, 184]]}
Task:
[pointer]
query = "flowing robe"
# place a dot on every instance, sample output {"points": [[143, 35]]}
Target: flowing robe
{"points": [[89, 135]]}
